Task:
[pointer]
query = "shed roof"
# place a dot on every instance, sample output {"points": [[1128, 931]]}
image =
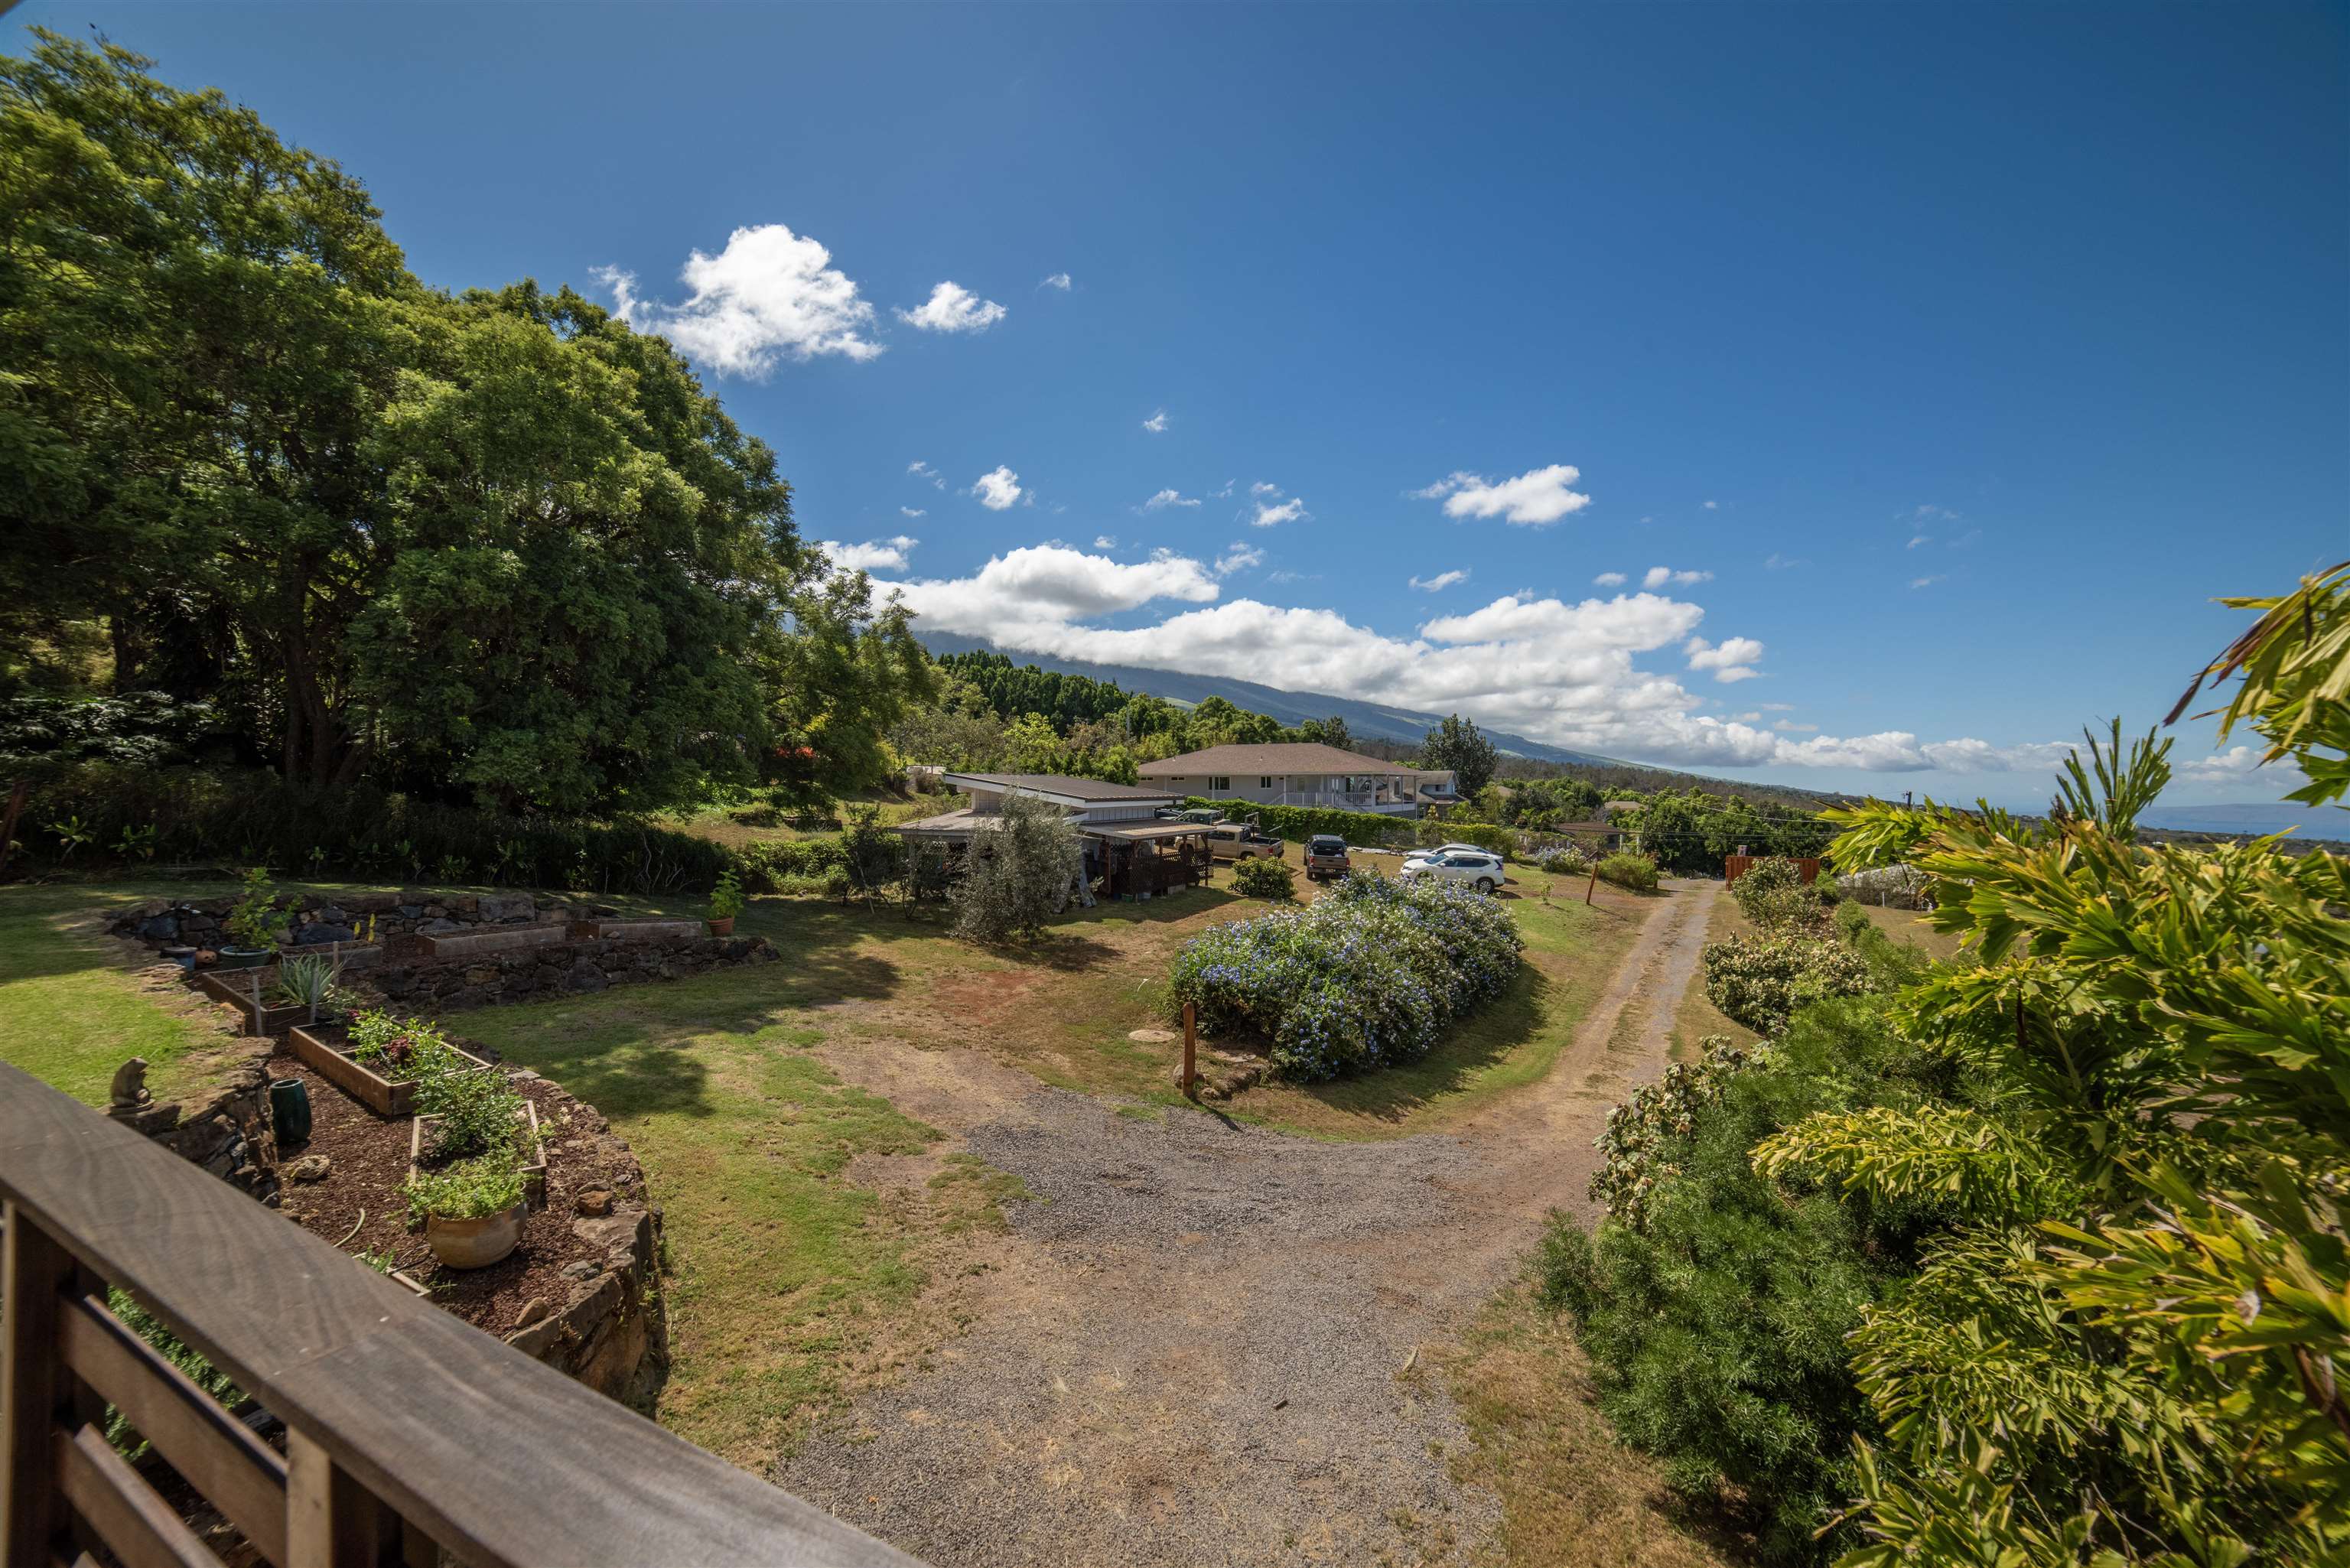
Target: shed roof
{"points": [[1061, 786]]}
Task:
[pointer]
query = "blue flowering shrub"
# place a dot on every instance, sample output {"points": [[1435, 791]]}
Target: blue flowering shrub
{"points": [[1369, 975]]}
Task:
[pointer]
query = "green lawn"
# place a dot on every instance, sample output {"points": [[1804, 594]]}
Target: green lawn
{"points": [[71, 1013]]}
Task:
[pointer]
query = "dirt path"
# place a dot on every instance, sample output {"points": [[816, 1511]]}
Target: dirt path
{"points": [[1201, 1346]]}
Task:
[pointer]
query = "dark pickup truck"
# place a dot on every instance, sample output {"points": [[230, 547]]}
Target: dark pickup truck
{"points": [[1326, 858]]}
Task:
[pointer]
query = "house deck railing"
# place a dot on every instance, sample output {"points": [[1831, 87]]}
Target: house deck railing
{"points": [[407, 1431]]}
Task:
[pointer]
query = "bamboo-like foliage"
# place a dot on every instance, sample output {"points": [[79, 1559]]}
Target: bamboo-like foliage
{"points": [[2134, 1347]]}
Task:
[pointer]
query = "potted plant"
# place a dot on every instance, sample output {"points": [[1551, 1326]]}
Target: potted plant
{"points": [[472, 1211], [253, 921], [726, 903], [309, 983]]}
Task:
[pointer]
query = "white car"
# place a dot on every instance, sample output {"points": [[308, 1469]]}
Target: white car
{"points": [[1479, 868]]}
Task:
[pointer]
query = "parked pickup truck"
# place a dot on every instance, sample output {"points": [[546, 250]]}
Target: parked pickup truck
{"points": [[1326, 858], [1242, 841]]}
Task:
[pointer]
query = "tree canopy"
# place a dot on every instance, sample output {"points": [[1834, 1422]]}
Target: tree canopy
{"points": [[494, 545]]}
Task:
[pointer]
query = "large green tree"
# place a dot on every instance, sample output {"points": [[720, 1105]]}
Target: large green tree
{"points": [[493, 546]]}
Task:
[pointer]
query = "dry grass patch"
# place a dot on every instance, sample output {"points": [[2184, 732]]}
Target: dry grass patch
{"points": [[1571, 1495]]}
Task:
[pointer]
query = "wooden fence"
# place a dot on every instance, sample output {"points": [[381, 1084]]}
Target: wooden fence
{"points": [[407, 1430]]}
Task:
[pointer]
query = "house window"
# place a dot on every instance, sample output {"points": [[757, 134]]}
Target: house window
{"points": [[1218, 785], [1265, 782]]}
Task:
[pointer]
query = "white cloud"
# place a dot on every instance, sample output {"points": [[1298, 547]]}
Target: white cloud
{"points": [[1156, 423], [1105, 541], [1042, 586], [1713, 507], [1263, 487], [953, 308], [874, 556], [1660, 577], [912, 511], [924, 471], [1792, 728], [997, 488], [1268, 515], [1609, 580], [769, 295], [1934, 514], [1165, 499], [1226, 492], [1438, 583], [1059, 280], [1568, 674], [1534, 499], [1777, 707], [1927, 582], [1732, 660], [1778, 563]]}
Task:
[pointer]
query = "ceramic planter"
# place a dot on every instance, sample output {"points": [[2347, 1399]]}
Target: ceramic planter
{"points": [[243, 958], [476, 1244], [722, 927]]}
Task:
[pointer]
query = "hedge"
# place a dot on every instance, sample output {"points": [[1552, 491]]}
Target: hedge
{"points": [[236, 817]]}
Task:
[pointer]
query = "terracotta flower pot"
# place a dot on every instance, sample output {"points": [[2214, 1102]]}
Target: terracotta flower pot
{"points": [[476, 1244], [725, 928]]}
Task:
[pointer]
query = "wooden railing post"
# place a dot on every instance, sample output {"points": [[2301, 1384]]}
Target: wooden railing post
{"points": [[331, 1520], [35, 1392]]}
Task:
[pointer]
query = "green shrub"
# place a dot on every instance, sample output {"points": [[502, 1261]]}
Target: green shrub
{"points": [[1263, 878], [1564, 861], [475, 1113], [1715, 1305], [1483, 835], [253, 817], [1017, 876], [1759, 980], [1299, 823], [468, 1189], [726, 897], [255, 920], [770, 866], [1625, 869], [1368, 975]]}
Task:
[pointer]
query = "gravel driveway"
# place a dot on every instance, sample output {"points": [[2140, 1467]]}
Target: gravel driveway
{"points": [[1203, 1347]]}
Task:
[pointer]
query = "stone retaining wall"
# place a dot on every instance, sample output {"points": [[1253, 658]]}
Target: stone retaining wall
{"points": [[339, 917], [558, 969], [610, 1331], [229, 1133]]}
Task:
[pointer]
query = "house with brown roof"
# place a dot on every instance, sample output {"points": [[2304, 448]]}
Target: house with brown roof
{"points": [[1303, 774]]}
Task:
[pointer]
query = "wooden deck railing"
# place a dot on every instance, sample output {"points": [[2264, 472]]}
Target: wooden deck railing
{"points": [[407, 1430]]}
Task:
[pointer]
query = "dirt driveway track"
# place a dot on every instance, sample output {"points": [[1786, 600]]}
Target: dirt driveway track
{"points": [[1203, 1349]]}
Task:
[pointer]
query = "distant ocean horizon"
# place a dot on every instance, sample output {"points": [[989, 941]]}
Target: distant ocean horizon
{"points": [[2312, 821]]}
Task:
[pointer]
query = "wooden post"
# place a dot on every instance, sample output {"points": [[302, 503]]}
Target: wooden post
{"points": [[1593, 887], [8, 823], [36, 1393], [1190, 1036]]}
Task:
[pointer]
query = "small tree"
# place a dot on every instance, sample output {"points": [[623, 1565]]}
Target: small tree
{"points": [[1456, 745], [1017, 876], [1260, 876]]}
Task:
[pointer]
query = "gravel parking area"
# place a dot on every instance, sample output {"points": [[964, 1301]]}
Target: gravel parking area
{"points": [[1204, 1342]]}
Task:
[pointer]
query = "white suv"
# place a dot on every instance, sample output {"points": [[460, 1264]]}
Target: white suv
{"points": [[1481, 870]]}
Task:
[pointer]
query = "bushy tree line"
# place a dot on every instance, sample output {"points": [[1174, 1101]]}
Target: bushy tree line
{"points": [[490, 547], [2037, 1257]]}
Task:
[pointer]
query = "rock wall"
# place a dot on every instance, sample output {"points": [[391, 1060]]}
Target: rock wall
{"points": [[341, 917], [559, 968], [611, 1332], [229, 1132]]}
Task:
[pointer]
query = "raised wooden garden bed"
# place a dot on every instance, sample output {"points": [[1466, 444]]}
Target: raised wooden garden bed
{"points": [[244, 989], [534, 1166], [323, 1051], [494, 940]]}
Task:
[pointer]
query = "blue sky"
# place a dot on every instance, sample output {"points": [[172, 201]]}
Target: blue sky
{"points": [[1967, 351]]}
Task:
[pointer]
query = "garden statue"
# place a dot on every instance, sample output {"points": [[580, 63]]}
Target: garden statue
{"points": [[130, 1092]]}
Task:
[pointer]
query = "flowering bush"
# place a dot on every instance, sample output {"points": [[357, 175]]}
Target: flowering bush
{"points": [[1760, 980], [1566, 861], [1366, 976], [1658, 1117]]}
